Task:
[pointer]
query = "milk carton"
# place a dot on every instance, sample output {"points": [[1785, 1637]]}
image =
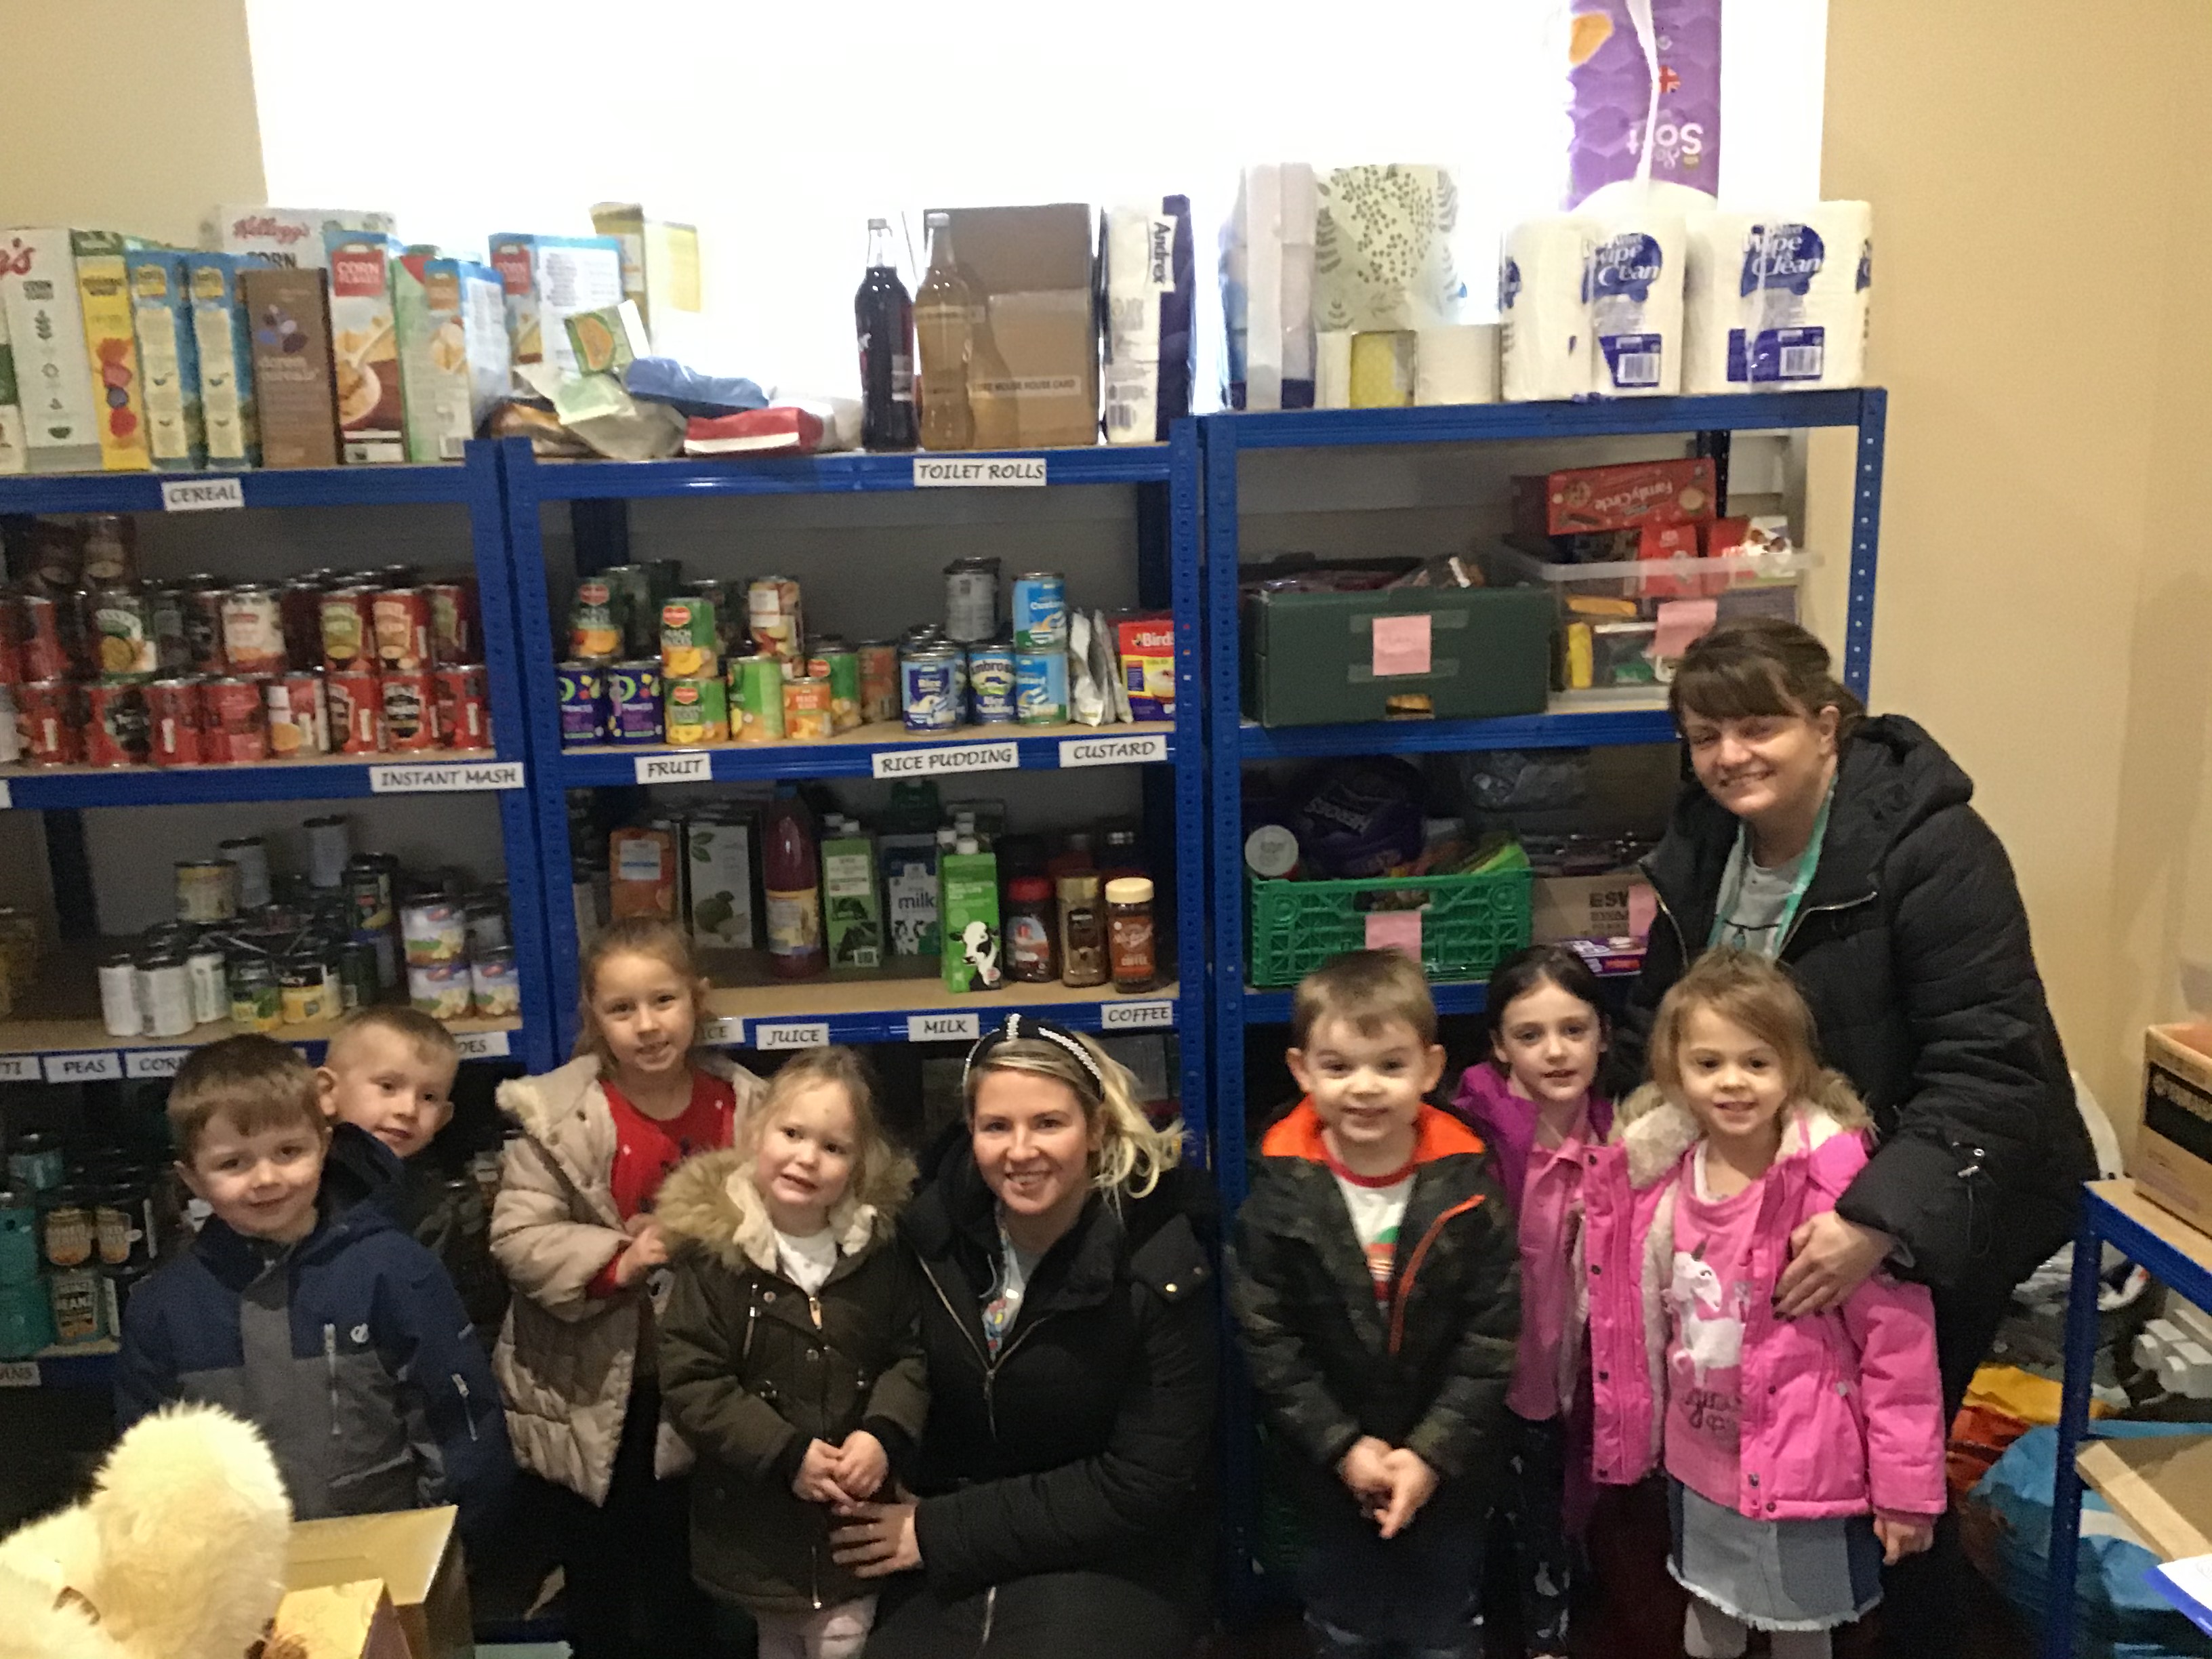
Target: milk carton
{"points": [[853, 923], [46, 325], [549, 279], [12, 458], [162, 314], [222, 337], [453, 360], [365, 347], [286, 236]]}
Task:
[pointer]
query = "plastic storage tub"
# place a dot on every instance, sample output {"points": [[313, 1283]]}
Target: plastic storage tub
{"points": [[1469, 924]]}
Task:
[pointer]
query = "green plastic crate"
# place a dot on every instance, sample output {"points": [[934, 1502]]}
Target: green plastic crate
{"points": [[1469, 924]]}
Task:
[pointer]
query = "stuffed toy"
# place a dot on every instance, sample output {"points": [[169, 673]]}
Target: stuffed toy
{"points": [[178, 1553]]}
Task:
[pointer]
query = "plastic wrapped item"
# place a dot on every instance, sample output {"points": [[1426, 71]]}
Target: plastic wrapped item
{"points": [[690, 393], [1267, 288], [1528, 780], [1363, 817], [1150, 283], [1383, 254], [1090, 696], [783, 430]]}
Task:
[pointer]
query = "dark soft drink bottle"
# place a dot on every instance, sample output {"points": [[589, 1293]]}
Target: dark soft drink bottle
{"points": [[885, 315]]}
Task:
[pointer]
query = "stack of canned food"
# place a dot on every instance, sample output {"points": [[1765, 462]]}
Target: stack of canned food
{"points": [[125, 673], [79, 1231], [654, 659]]}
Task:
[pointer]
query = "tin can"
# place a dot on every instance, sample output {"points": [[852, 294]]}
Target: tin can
{"points": [[356, 702], [250, 854], [494, 986], [47, 721], [202, 598], [123, 634], [698, 710], [235, 719], [442, 990], [971, 600], [115, 725], [487, 920], [402, 619], [11, 637], [304, 995], [411, 715], [758, 684], [369, 895], [840, 664], [879, 681], [453, 623], [583, 707], [991, 684], [172, 723], [299, 716], [209, 979], [257, 1001], [119, 1013], [253, 631], [207, 891], [45, 656], [330, 849], [595, 625], [806, 716], [776, 614], [1040, 614], [397, 576], [358, 985], [931, 682], [688, 645], [65, 1231], [1040, 687], [171, 654], [348, 628], [300, 603], [434, 930], [464, 703], [637, 590], [165, 992], [635, 696]]}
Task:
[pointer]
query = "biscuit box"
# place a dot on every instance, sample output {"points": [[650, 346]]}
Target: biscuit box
{"points": [[1588, 498], [1146, 645], [2171, 1158]]}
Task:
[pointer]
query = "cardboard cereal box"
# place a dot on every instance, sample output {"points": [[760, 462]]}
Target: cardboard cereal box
{"points": [[222, 335], [453, 360], [549, 279], [296, 390], [12, 458], [111, 342], [46, 325], [286, 236], [365, 347], [162, 314]]}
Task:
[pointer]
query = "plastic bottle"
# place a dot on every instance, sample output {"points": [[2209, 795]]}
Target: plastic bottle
{"points": [[790, 874], [944, 320], [885, 317]]}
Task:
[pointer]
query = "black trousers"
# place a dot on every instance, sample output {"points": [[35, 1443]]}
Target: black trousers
{"points": [[1044, 1615]]}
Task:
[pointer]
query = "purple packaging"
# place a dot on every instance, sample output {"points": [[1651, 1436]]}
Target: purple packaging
{"points": [[583, 692], [634, 700], [1611, 95]]}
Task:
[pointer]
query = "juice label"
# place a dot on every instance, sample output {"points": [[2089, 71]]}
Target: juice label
{"points": [[794, 923]]}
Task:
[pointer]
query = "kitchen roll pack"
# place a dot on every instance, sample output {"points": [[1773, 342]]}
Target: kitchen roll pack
{"points": [[1544, 322], [1591, 301], [1267, 288], [1151, 283], [1778, 300]]}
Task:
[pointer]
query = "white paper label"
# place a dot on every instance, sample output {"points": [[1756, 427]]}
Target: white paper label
{"points": [[943, 1028], [675, 769], [724, 1031], [153, 1062], [19, 1068], [935, 473], [769, 1033], [444, 779], [1113, 752], [962, 757], [7, 798], [481, 1045], [20, 1374], [1134, 1016], [83, 1069], [201, 495]]}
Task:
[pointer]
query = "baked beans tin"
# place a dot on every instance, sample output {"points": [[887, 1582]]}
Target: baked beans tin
{"points": [[253, 631], [453, 623], [403, 629], [236, 721], [991, 684], [114, 725], [300, 601], [583, 694], [698, 710], [806, 711], [777, 616], [879, 680], [123, 634], [202, 598], [348, 628], [932, 687], [634, 702], [463, 692], [45, 656], [299, 718], [172, 723], [355, 700], [48, 720], [411, 715]]}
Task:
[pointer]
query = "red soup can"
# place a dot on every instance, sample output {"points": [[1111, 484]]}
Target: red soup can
{"points": [[11, 637], [356, 711], [114, 726], [299, 722], [402, 630], [172, 723], [410, 713], [464, 707], [237, 722], [349, 628], [45, 656], [202, 603], [47, 719]]}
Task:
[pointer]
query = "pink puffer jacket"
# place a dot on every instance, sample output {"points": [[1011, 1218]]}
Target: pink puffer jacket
{"points": [[1842, 1410]]}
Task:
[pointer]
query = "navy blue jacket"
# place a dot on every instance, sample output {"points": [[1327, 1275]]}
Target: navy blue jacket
{"points": [[350, 1351]]}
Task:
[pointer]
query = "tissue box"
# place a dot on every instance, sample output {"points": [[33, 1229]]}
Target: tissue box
{"points": [[1465, 653], [2172, 1160], [1626, 497], [416, 1555], [1033, 376]]}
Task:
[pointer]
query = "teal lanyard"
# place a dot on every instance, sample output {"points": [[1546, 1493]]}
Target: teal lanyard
{"points": [[1740, 861]]}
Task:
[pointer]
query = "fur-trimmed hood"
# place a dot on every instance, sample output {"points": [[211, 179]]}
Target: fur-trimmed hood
{"points": [[711, 1201], [1656, 1130], [542, 1104]]}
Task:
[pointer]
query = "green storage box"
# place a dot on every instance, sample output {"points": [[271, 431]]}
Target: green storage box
{"points": [[1469, 924], [1310, 658]]}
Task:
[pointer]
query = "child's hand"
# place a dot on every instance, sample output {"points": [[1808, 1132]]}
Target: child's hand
{"points": [[863, 1465], [647, 1249], [1901, 1535], [1413, 1483], [817, 1481], [1364, 1473]]}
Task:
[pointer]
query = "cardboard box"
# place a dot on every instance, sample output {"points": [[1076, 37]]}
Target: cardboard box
{"points": [[54, 376], [1144, 644], [1588, 498], [417, 1555], [222, 335], [111, 344], [2172, 1160], [852, 915], [661, 270], [1449, 652], [719, 884], [1033, 373], [1584, 906], [549, 279], [287, 236], [12, 456], [454, 361], [168, 357], [365, 348], [355, 1620], [295, 392]]}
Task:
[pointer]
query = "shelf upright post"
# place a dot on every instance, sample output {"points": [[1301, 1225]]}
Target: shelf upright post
{"points": [[1866, 535], [1194, 1037], [1224, 765]]}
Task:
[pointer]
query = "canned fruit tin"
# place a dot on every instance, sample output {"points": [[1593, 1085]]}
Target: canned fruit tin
{"points": [[689, 647], [757, 684], [442, 990], [172, 723], [806, 716], [349, 628], [236, 721], [411, 715], [454, 623], [48, 721], [991, 684], [879, 681], [256, 1001], [253, 632], [45, 657], [635, 698], [971, 600], [494, 986], [840, 664], [207, 891], [464, 703], [402, 620], [774, 612], [595, 625], [299, 604], [299, 717], [932, 689], [698, 710], [1040, 687], [434, 930], [123, 634], [115, 725], [584, 705], [1040, 614], [355, 700]]}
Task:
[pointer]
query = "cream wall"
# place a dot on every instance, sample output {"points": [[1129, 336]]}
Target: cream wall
{"points": [[2046, 596]]}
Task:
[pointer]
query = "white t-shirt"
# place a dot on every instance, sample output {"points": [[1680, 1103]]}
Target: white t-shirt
{"points": [[806, 1262], [1377, 1212]]}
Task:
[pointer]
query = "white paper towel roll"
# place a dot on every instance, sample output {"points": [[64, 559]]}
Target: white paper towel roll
{"points": [[1457, 363], [1713, 245], [1333, 369], [1636, 302], [1544, 340], [1781, 300]]}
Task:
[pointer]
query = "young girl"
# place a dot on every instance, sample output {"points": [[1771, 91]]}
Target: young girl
{"points": [[790, 1350], [1780, 1436], [575, 1230]]}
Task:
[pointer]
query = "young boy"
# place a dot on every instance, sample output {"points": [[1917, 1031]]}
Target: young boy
{"points": [[1374, 1277], [311, 1317], [390, 1072]]}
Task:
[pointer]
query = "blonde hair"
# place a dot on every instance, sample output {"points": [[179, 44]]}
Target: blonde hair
{"points": [[431, 1041], [1132, 1155], [651, 937], [882, 1174], [256, 1082], [1367, 989], [1753, 993]]}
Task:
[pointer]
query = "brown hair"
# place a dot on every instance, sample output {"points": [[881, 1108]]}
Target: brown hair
{"points": [[637, 936], [1370, 989], [256, 1082], [1133, 1154], [431, 1041], [1754, 993], [1757, 666], [881, 1172]]}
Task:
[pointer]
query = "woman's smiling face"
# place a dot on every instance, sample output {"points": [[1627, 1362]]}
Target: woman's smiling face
{"points": [[1756, 764], [1033, 1144]]}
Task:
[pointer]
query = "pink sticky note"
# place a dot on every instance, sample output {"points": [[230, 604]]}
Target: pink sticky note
{"points": [[1395, 930], [1682, 624], [1402, 645], [1642, 909]]}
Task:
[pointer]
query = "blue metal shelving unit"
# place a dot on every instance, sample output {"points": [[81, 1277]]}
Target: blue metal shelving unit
{"points": [[883, 1009]]}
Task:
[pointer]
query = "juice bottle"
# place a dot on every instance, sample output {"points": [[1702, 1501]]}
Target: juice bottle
{"points": [[944, 320], [885, 317], [791, 875]]}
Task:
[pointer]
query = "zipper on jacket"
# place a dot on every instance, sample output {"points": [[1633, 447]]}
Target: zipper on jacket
{"points": [[1413, 1267], [982, 1358], [461, 1388], [1681, 944], [330, 1370], [1798, 920]]}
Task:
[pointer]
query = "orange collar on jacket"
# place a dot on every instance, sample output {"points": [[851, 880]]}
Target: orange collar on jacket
{"points": [[1437, 1134]]}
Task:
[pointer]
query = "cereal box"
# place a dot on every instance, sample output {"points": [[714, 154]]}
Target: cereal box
{"points": [[1146, 647], [454, 361], [161, 313], [222, 335], [296, 390], [661, 270], [549, 279], [46, 325], [365, 347], [286, 236], [111, 342], [12, 456]]}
